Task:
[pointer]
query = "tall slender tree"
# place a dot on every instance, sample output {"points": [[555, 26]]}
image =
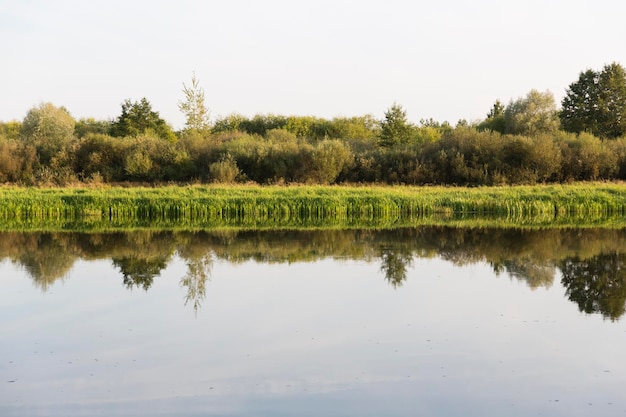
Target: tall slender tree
{"points": [[194, 108]]}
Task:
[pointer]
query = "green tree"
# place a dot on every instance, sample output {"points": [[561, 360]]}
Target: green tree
{"points": [[230, 123], [612, 105], [596, 103], [193, 107], [138, 118], [536, 113], [395, 129], [328, 160], [91, 125], [579, 107], [49, 129], [495, 119], [10, 130]]}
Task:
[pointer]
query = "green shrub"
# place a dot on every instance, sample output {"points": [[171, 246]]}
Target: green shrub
{"points": [[225, 170]]}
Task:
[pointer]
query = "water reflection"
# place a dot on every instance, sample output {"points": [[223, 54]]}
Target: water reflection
{"points": [[590, 261], [597, 284], [395, 261], [140, 272]]}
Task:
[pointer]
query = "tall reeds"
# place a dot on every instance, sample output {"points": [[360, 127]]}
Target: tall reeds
{"points": [[208, 206]]}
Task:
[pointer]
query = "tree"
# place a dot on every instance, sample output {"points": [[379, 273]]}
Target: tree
{"points": [[395, 129], [193, 107], [612, 103], [10, 130], [49, 129], [495, 119], [536, 113], [328, 160], [92, 126], [596, 103], [579, 107], [138, 118]]}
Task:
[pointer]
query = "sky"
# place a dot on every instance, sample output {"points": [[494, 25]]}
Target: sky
{"points": [[443, 59]]}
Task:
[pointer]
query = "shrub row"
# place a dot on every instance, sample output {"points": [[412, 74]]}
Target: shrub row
{"points": [[460, 156]]}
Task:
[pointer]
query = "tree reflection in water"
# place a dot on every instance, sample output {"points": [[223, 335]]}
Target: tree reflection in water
{"points": [[198, 273], [591, 260], [53, 261], [140, 272], [395, 260], [597, 284]]}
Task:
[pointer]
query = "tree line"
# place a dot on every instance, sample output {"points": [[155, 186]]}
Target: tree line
{"points": [[525, 141]]}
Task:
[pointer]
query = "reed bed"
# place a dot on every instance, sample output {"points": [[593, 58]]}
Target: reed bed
{"points": [[202, 206]]}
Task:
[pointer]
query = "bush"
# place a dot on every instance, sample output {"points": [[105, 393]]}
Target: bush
{"points": [[587, 158], [328, 159], [225, 170], [49, 129]]}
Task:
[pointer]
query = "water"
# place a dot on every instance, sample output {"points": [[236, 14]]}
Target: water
{"points": [[430, 321]]}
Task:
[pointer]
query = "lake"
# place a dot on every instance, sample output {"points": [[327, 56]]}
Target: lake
{"points": [[417, 321]]}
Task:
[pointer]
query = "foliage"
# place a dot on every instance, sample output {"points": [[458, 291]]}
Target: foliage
{"points": [[328, 159], [103, 156], [10, 130], [517, 144], [309, 128], [49, 129], [138, 118], [395, 129], [225, 170], [536, 113], [197, 115], [586, 157], [596, 103], [92, 126], [495, 119]]}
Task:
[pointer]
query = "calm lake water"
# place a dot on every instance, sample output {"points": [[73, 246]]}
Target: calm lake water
{"points": [[428, 321]]}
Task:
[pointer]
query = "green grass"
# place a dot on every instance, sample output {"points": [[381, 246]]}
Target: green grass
{"points": [[201, 206]]}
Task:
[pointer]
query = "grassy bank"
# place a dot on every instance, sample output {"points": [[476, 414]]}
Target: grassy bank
{"points": [[274, 206]]}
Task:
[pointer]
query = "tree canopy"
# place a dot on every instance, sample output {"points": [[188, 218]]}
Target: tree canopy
{"points": [[530, 115], [138, 118], [596, 103], [395, 129], [48, 128], [495, 118]]}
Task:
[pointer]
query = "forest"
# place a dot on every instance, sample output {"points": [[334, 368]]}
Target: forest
{"points": [[530, 140]]}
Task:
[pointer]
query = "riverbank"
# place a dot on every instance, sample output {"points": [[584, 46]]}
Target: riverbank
{"points": [[201, 206]]}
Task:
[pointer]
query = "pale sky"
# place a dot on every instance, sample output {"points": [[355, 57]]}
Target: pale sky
{"points": [[445, 59]]}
